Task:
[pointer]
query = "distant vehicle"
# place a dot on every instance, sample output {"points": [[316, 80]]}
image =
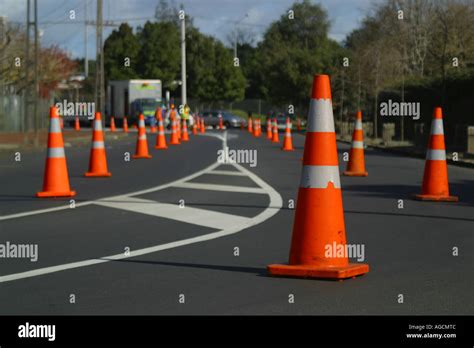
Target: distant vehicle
{"points": [[281, 120], [211, 118], [132, 97]]}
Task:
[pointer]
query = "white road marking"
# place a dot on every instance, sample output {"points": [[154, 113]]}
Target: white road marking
{"points": [[190, 215], [215, 187], [275, 204], [226, 172]]}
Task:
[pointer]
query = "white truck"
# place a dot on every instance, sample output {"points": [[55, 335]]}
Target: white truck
{"points": [[131, 97]]}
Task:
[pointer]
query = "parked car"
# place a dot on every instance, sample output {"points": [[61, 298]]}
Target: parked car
{"points": [[211, 118]]}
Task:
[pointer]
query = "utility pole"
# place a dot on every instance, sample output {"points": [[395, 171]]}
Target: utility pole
{"points": [[99, 64], [31, 90], [86, 63], [184, 100]]}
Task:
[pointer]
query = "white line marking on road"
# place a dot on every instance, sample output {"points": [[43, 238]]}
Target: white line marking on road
{"points": [[190, 215], [275, 204], [226, 172], [215, 187]]}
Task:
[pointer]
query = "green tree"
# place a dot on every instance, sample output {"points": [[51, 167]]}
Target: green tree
{"points": [[120, 45]]}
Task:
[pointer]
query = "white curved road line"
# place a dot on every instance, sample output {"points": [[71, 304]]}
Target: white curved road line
{"points": [[275, 204]]}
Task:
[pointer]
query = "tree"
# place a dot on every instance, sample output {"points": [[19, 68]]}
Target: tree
{"points": [[293, 50], [122, 45]]}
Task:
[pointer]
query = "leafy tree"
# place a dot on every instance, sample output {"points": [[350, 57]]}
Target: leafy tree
{"points": [[121, 44]]}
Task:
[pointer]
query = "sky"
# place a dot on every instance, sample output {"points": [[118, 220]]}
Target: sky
{"points": [[212, 17]]}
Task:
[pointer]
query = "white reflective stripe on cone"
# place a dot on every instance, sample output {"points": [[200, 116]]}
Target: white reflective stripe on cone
{"points": [[98, 125], [141, 123], [55, 126], [98, 145], [142, 137], [436, 155], [319, 176], [358, 124], [357, 144], [161, 133], [160, 123], [56, 152], [320, 117], [437, 126]]}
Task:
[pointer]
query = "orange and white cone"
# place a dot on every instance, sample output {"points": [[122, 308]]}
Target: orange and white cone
{"points": [[160, 138], [61, 122], [56, 177], [249, 125], [221, 124], [77, 124], [275, 137], [269, 129], [356, 164], [259, 128], [125, 125], [195, 127], [319, 227], [141, 150], [435, 179], [113, 129], [287, 140], [98, 158], [203, 126], [255, 128], [185, 134], [174, 140]]}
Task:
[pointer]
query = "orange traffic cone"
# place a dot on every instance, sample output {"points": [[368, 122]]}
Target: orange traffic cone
{"points": [[195, 127], [125, 125], [98, 159], [61, 122], [77, 124], [356, 164], [275, 137], [174, 140], [435, 179], [287, 141], [112, 124], [153, 129], [160, 138], [203, 126], [185, 135], [269, 129], [298, 124], [249, 125], [221, 124], [56, 178], [141, 150], [319, 218], [255, 128]]}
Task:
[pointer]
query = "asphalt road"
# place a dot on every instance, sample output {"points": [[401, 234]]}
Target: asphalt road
{"points": [[190, 251]]}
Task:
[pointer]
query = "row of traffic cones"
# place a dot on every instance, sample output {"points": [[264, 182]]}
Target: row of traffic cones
{"points": [[56, 178], [319, 215]]}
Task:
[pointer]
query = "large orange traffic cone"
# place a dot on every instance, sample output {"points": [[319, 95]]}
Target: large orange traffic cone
{"points": [[319, 218], [112, 124], [125, 125], [249, 125], [275, 137], [269, 129], [174, 140], [356, 164], [160, 138], [435, 179], [77, 124], [56, 178], [287, 141], [141, 150], [98, 158], [185, 134]]}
